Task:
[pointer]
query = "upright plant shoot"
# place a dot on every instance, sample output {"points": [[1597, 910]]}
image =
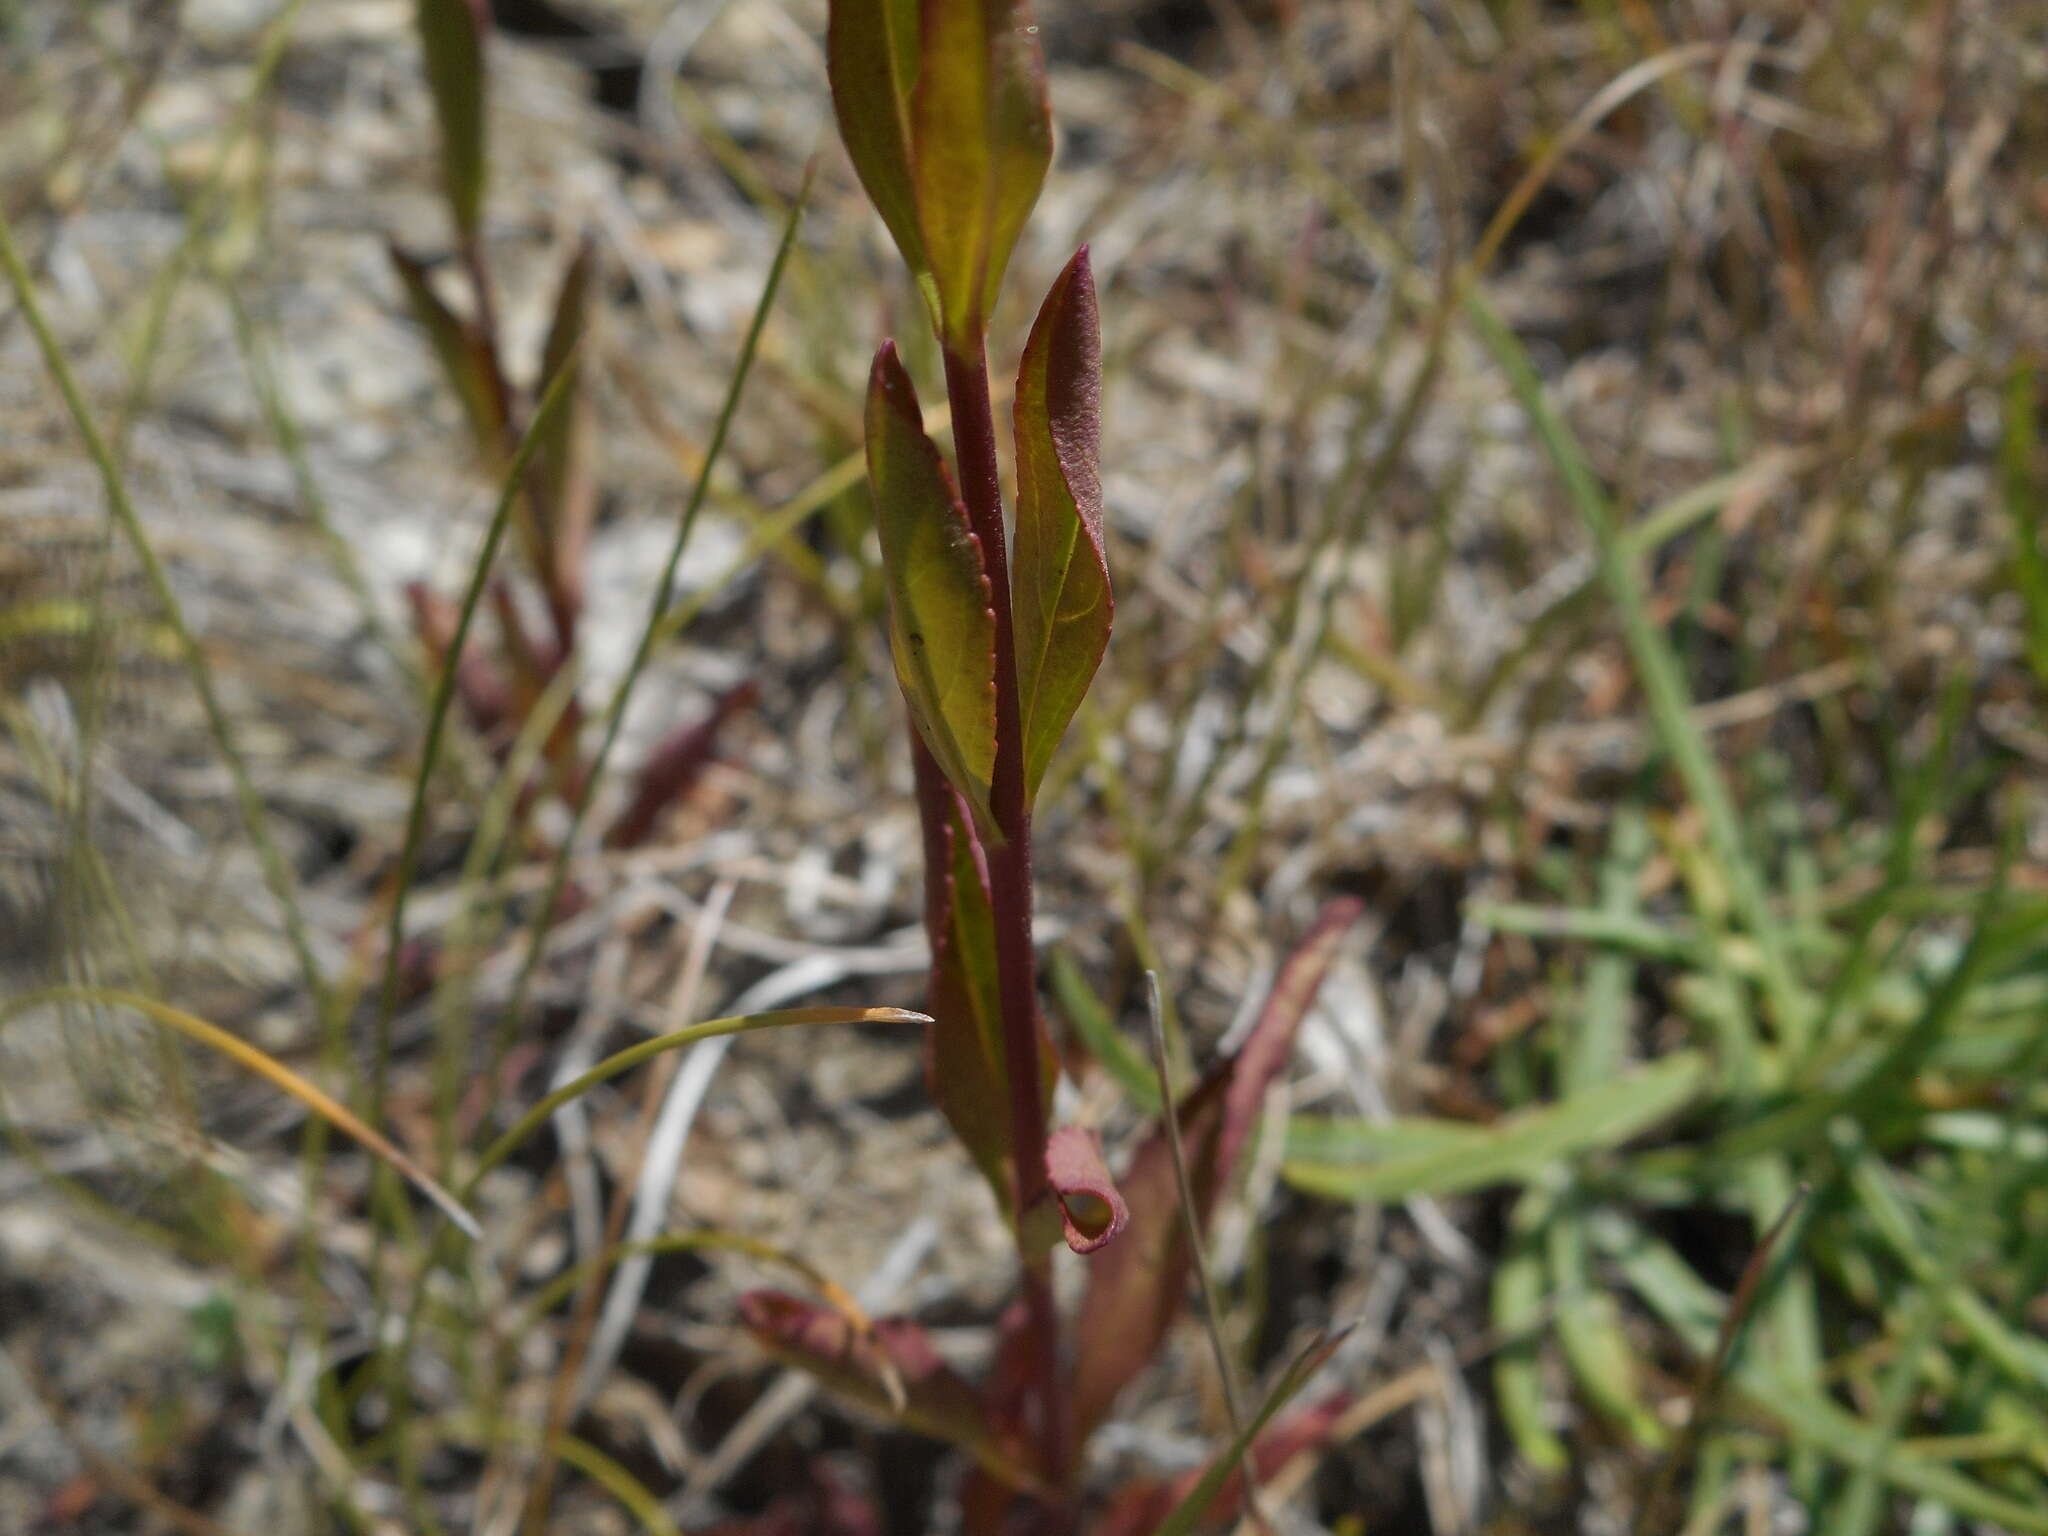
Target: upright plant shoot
{"points": [[942, 106], [995, 641]]}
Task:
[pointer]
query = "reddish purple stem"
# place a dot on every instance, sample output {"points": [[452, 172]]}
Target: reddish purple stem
{"points": [[1009, 868]]}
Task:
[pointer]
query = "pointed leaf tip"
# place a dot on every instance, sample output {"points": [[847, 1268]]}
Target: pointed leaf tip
{"points": [[943, 111], [898, 1016], [1092, 1210], [1060, 589], [451, 41]]}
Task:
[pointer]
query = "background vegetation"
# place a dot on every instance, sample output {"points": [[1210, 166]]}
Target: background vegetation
{"points": [[1573, 480]]}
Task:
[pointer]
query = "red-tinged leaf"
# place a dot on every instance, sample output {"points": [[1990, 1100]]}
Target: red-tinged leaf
{"points": [[871, 57], [535, 661], [674, 767], [452, 40], [1141, 1508], [1059, 574], [486, 695], [981, 139], [941, 625], [1092, 1212], [988, 1505], [1136, 1286], [564, 476], [466, 356], [890, 1369], [966, 1066], [1267, 1048]]}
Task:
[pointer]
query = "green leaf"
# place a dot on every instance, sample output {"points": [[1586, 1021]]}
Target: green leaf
{"points": [[1518, 1314], [452, 38], [1347, 1164], [1059, 576], [942, 627], [1589, 1328], [467, 359], [981, 139], [871, 57]]}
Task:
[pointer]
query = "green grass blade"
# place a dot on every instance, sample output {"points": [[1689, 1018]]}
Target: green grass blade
{"points": [[437, 722], [1186, 1516], [1663, 681], [1518, 1316], [1589, 1330], [1098, 1032], [2023, 500], [647, 1050], [615, 711]]}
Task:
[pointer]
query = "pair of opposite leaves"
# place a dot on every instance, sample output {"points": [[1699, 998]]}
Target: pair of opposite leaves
{"points": [[942, 617]]}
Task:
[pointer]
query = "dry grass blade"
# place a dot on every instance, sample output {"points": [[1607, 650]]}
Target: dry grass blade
{"points": [[273, 1071], [1191, 1219]]}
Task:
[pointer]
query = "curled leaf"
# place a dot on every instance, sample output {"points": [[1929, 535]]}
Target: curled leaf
{"points": [[942, 626], [1092, 1212], [1059, 574]]}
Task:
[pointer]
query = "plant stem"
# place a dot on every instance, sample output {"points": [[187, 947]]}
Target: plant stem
{"points": [[1009, 872]]}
